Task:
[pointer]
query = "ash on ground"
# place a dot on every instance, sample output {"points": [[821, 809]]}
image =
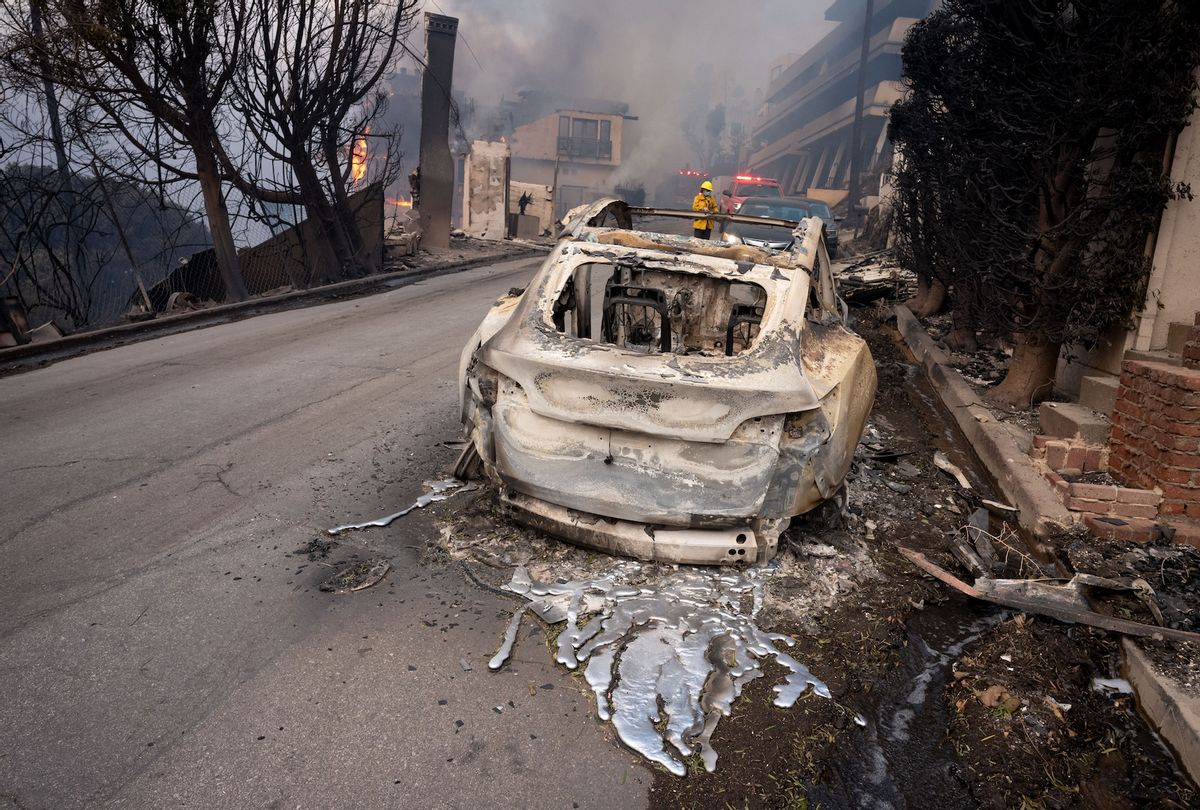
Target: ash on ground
{"points": [[617, 612], [1172, 570]]}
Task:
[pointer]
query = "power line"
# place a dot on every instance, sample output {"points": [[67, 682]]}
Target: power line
{"points": [[469, 49]]}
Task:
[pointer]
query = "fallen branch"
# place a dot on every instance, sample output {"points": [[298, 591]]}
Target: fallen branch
{"points": [[945, 465], [1034, 597]]}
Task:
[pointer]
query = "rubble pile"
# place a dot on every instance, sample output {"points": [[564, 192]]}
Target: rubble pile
{"points": [[984, 367], [1171, 570], [874, 276]]}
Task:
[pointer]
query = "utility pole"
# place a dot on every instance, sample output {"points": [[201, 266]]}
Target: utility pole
{"points": [[554, 197], [856, 130]]}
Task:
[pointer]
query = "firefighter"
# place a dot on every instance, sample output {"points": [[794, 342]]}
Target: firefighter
{"points": [[708, 204]]}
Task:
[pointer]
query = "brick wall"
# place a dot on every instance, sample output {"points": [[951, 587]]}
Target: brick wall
{"points": [[1155, 439]]}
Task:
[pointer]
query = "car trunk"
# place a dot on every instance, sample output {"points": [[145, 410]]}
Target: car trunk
{"points": [[634, 475]]}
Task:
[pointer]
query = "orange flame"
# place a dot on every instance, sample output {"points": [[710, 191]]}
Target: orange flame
{"points": [[399, 202], [358, 160]]}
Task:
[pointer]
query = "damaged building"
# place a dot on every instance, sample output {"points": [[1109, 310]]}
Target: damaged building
{"points": [[572, 145], [804, 131]]}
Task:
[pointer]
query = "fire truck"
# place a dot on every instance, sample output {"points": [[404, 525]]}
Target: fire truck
{"points": [[734, 190]]}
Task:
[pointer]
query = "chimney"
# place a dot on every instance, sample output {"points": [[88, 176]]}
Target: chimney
{"points": [[437, 166]]}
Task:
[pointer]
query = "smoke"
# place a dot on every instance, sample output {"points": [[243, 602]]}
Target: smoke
{"points": [[672, 61]]}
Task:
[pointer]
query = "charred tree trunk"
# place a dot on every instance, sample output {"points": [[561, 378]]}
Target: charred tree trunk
{"points": [[1030, 376], [334, 253], [934, 301], [962, 336], [218, 223], [342, 207], [918, 300]]}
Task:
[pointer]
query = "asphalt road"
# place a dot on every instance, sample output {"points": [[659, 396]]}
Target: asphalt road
{"points": [[161, 646]]}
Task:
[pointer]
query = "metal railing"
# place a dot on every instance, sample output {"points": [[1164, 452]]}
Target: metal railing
{"points": [[584, 148]]}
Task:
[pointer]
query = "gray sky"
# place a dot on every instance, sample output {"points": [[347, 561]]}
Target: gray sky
{"points": [[669, 59]]}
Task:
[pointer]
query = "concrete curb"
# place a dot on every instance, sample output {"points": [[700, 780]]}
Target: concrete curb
{"points": [[1175, 714], [1003, 449], [19, 358]]}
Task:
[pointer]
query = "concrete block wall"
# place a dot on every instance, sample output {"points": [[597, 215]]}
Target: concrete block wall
{"points": [[1155, 439], [1191, 349]]}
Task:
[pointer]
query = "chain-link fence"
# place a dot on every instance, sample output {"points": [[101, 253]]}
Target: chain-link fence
{"points": [[84, 252]]}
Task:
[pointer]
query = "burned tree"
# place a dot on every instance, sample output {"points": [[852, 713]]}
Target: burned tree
{"points": [[308, 93], [1032, 141], [72, 256], [50, 258], [152, 75]]}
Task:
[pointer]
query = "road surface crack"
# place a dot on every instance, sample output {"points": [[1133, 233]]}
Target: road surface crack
{"points": [[61, 464]]}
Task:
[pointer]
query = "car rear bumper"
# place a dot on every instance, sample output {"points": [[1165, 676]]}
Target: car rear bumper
{"points": [[737, 544]]}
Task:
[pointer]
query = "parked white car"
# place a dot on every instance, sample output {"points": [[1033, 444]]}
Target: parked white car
{"points": [[664, 397]]}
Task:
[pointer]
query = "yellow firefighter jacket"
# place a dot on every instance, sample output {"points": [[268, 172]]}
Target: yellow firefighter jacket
{"points": [[708, 204]]}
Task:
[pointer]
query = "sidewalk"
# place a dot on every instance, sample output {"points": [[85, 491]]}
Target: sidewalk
{"points": [[30, 355], [1004, 451]]}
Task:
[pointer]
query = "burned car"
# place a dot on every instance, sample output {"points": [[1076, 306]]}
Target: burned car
{"points": [[664, 397]]}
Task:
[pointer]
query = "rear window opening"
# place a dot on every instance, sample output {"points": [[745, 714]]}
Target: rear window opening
{"points": [[655, 311], [757, 190]]}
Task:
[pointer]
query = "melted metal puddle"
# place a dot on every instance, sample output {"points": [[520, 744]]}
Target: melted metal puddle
{"points": [[438, 491], [665, 661]]}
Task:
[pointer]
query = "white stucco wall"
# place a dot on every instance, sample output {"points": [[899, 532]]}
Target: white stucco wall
{"points": [[1174, 294], [542, 205], [485, 190]]}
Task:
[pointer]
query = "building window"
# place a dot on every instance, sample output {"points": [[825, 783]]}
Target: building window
{"points": [[586, 129], [587, 138]]}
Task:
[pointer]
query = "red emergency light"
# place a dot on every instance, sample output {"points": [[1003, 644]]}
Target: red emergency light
{"points": [[744, 177]]}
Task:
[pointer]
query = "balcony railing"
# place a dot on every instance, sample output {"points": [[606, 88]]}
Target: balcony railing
{"points": [[584, 148]]}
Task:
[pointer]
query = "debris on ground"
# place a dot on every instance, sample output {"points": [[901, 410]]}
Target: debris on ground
{"points": [[1172, 572], [437, 491], [984, 368], [317, 548], [903, 657], [1065, 602], [945, 465], [665, 663], [873, 276], [356, 576], [997, 697], [1038, 720]]}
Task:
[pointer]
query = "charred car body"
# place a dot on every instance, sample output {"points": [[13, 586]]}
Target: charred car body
{"points": [[663, 397]]}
